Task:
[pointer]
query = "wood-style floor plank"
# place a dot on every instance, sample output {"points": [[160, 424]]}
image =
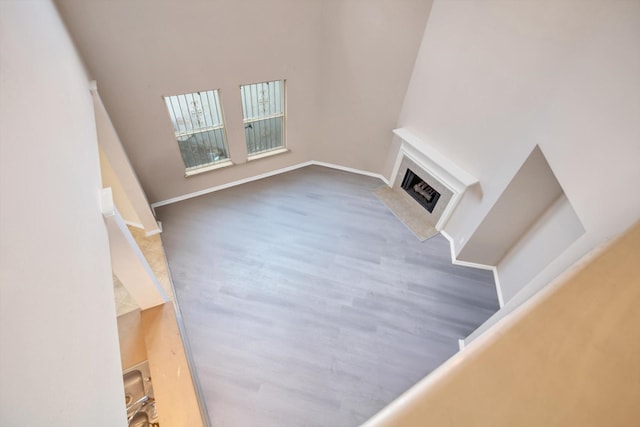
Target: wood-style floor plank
{"points": [[307, 303]]}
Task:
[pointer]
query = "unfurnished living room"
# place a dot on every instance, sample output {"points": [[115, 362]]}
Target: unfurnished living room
{"points": [[319, 213]]}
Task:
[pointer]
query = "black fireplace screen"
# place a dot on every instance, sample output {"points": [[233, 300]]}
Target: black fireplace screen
{"points": [[417, 188]]}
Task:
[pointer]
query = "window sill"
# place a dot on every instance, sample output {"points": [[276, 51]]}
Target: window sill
{"points": [[267, 154], [220, 165]]}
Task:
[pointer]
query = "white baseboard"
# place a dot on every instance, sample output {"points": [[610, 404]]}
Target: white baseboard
{"points": [[134, 224], [352, 170], [266, 175], [461, 344], [454, 260], [141, 227], [492, 268], [228, 185], [496, 279], [156, 231]]}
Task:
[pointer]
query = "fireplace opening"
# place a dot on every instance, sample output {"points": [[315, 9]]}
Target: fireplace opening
{"points": [[422, 192]]}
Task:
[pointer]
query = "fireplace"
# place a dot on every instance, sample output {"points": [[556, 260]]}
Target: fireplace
{"points": [[432, 180], [420, 190]]}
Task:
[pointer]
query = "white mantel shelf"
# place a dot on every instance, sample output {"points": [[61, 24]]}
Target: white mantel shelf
{"points": [[439, 166], [448, 171]]}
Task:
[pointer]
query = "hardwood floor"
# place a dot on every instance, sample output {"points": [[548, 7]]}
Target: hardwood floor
{"points": [[307, 303]]}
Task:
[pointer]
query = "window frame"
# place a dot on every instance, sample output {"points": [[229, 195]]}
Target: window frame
{"points": [[282, 147], [216, 114]]}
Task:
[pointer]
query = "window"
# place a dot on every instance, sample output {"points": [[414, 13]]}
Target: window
{"points": [[263, 111], [199, 129]]}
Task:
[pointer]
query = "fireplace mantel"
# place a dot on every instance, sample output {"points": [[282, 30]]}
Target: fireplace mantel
{"points": [[435, 163]]}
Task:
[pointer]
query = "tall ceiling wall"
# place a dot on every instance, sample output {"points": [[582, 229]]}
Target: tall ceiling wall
{"points": [[347, 64], [496, 78]]}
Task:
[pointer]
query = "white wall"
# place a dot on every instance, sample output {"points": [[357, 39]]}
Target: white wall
{"points": [[367, 51], [531, 192], [138, 52], [346, 63], [553, 232], [59, 358], [495, 78]]}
